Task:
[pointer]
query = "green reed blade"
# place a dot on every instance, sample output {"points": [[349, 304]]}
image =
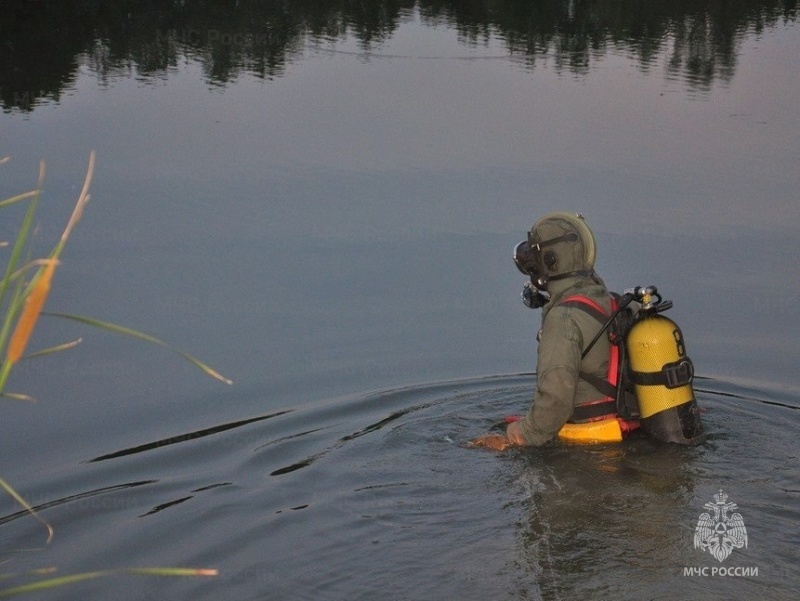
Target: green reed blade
{"points": [[53, 349], [9, 201], [18, 498], [72, 578], [118, 329]]}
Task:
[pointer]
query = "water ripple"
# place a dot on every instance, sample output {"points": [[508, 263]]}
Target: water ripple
{"points": [[376, 492]]}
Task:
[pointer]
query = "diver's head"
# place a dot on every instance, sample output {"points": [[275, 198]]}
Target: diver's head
{"points": [[559, 245]]}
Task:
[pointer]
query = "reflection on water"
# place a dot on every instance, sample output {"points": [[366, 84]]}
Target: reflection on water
{"points": [[183, 437], [384, 499], [45, 43], [594, 514]]}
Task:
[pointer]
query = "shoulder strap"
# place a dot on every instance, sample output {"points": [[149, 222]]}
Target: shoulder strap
{"points": [[586, 304], [606, 386], [594, 309]]}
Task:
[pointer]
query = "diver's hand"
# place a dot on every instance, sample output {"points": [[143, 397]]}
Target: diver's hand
{"points": [[493, 442], [514, 434], [499, 442]]}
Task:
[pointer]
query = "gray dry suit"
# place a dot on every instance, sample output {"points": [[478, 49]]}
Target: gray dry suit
{"points": [[565, 332]]}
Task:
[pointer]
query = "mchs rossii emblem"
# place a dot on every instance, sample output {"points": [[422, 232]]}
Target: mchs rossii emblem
{"points": [[722, 532]]}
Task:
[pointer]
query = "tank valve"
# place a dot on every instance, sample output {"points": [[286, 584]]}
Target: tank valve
{"points": [[649, 298]]}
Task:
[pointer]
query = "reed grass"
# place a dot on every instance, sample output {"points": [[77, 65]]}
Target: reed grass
{"points": [[22, 301], [57, 581], [24, 289], [31, 310]]}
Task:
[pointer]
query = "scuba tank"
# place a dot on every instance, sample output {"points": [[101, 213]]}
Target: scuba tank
{"points": [[662, 373]]}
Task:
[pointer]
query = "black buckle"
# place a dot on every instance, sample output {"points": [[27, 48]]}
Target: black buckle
{"points": [[679, 373]]}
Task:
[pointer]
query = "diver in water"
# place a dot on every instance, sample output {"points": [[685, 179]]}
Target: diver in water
{"points": [[559, 257], [603, 368]]}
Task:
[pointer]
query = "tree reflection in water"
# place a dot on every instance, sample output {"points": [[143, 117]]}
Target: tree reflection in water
{"points": [[45, 43]]}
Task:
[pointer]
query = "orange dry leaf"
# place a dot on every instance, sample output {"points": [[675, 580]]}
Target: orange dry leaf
{"points": [[34, 304]]}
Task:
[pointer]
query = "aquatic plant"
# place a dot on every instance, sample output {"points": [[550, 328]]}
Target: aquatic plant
{"points": [[55, 581], [24, 288], [22, 300]]}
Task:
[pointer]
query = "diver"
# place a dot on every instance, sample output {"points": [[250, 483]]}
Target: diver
{"points": [[586, 390]]}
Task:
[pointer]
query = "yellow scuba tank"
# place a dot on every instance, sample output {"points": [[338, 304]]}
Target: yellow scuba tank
{"points": [[654, 343], [662, 374]]}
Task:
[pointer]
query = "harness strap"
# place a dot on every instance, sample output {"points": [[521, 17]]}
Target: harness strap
{"points": [[594, 410], [607, 406], [602, 385], [587, 305], [672, 375]]}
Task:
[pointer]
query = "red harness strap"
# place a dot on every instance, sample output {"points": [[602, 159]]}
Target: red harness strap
{"points": [[606, 406]]}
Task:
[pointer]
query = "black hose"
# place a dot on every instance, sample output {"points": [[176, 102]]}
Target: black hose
{"points": [[624, 301]]}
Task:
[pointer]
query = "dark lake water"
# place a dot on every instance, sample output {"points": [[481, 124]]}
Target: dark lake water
{"points": [[321, 200]]}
